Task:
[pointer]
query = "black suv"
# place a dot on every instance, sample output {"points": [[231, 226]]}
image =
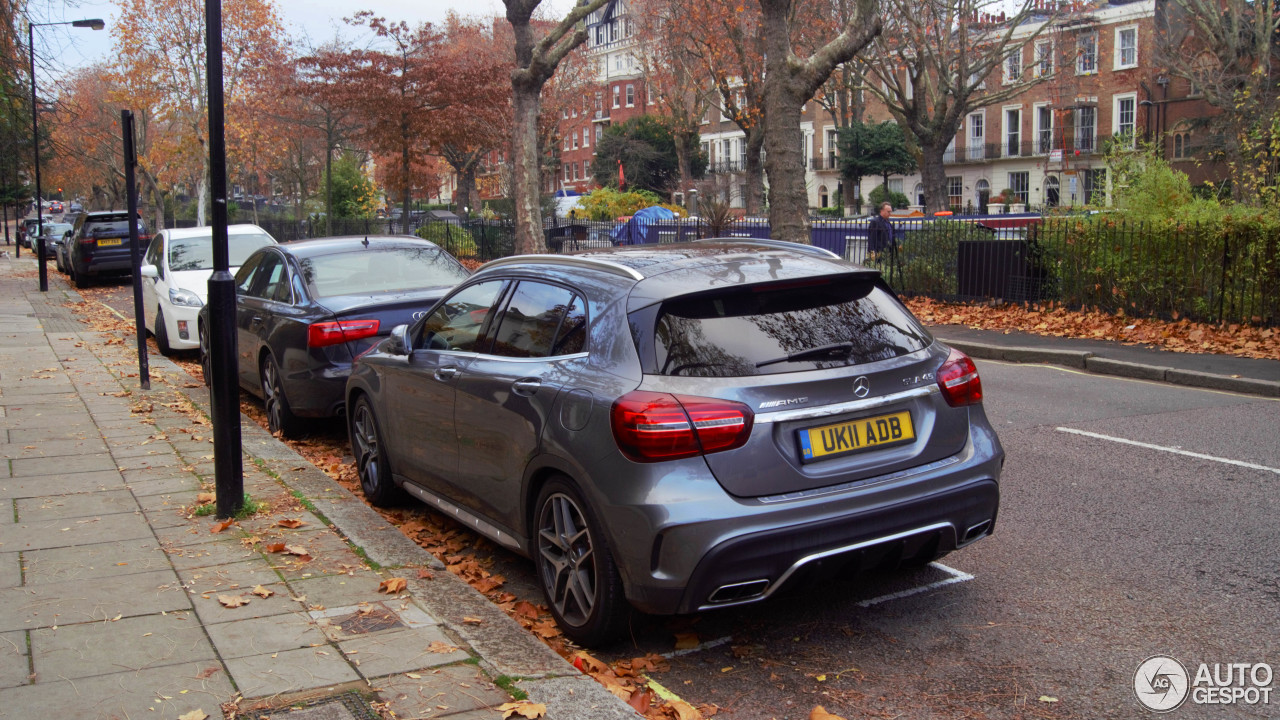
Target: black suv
{"points": [[99, 245]]}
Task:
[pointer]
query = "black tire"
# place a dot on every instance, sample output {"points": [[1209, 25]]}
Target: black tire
{"points": [[162, 335], [371, 456], [81, 281], [57, 262], [206, 365], [280, 418], [575, 567]]}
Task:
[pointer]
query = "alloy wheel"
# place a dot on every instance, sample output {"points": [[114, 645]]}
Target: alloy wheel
{"points": [[568, 567]]}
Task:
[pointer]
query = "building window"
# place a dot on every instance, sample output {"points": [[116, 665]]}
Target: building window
{"points": [[575, 170], [564, 113], [575, 141], [1181, 146], [1095, 186], [599, 101], [1013, 66], [1126, 117], [1013, 133], [1087, 54], [617, 96], [977, 136], [599, 133], [895, 185], [586, 137], [955, 192], [648, 91], [566, 173], [631, 95], [1020, 183], [1044, 129], [1086, 128], [824, 197], [566, 142], [1044, 58], [1126, 47], [586, 170]]}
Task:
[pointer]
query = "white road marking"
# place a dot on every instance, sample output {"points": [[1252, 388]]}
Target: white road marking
{"points": [[957, 576], [701, 646], [1176, 451]]}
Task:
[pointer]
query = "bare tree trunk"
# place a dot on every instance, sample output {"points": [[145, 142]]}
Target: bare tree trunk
{"points": [[934, 177], [157, 197], [528, 179], [788, 83], [754, 167], [467, 184], [328, 189]]}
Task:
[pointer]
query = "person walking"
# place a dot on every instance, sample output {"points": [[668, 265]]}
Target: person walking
{"points": [[881, 244]]}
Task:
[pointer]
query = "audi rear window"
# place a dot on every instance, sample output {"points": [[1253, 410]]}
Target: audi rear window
{"points": [[380, 270], [783, 327]]}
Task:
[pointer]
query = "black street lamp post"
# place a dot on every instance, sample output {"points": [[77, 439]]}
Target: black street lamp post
{"points": [[95, 24]]}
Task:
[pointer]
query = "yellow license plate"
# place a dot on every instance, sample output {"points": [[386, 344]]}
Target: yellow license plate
{"points": [[856, 436], [102, 242]]}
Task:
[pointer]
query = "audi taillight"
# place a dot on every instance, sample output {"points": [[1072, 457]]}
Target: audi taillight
{"points": [[652, 427], [332, 333], [958, 378]]}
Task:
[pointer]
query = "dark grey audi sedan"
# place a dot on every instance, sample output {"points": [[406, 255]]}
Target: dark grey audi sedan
{"points": [[680, 427]]}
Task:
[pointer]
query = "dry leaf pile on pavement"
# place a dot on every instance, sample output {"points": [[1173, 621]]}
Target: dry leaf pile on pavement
{"points": [[1178, 335]]}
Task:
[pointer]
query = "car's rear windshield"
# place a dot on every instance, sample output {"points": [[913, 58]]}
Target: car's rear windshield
{"points": [[196, 253], [779, 328], [111, 226], [380, 270]]}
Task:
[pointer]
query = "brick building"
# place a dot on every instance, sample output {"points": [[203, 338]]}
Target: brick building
{"points": [[1047, 145], [617, 94]]}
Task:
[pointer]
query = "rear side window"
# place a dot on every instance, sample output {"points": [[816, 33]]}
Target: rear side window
{"points": [[541, 320], [790, 327]]}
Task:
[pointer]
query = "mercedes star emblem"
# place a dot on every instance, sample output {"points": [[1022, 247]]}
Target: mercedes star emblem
{"points": [[861, 386]]}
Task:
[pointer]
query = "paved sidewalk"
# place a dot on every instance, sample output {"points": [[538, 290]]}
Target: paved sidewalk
{"points": [[113, 600]]}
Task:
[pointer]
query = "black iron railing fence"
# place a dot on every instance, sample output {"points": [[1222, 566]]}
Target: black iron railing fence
{"points": [[1225, 274]]}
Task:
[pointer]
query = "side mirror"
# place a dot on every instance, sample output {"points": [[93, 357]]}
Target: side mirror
{"points": [[149, 271], [398, 343]]}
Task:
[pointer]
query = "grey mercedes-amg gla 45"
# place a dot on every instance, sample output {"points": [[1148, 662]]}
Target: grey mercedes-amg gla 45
{"points": [[680, 427]]}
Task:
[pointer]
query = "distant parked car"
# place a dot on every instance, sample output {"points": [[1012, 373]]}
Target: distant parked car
{"points": [[99, 246], [27, 230], [680, 427], [175, 284], [305, 310], [54, 234]]}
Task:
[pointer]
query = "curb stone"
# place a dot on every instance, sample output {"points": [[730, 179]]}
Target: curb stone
{"points": [[1093, 363]]}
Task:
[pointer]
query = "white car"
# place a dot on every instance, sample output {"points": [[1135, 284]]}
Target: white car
{"points": [[175, 279]]}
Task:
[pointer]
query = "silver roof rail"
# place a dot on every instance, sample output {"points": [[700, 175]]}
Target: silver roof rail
{"points": [[782, 244], [570, 260]]}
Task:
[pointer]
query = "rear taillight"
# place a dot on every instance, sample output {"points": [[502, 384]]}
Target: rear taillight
{"points": [[333, 333], [958, 378], [652, 427]]}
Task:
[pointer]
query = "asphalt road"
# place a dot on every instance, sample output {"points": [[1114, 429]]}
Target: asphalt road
{"points": [[1106, 553]]}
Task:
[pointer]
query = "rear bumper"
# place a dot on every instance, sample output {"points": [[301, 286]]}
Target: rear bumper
{"points": [[706, 554], [318, 392]]}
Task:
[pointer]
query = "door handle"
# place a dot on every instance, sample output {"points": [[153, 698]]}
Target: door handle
{"points": [[527, 386], [445, 374]]}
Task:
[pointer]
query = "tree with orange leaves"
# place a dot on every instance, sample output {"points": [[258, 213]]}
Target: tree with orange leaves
{"points": [[400, 90], [724, 37], [160, 50], [85, 135], [674, 77], [464, 134]]}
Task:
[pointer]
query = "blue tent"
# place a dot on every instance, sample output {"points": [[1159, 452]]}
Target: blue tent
{"points": [[633, 231]]}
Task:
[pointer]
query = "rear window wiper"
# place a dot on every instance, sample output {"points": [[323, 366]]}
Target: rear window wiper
{"points": [[834, 351]]}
